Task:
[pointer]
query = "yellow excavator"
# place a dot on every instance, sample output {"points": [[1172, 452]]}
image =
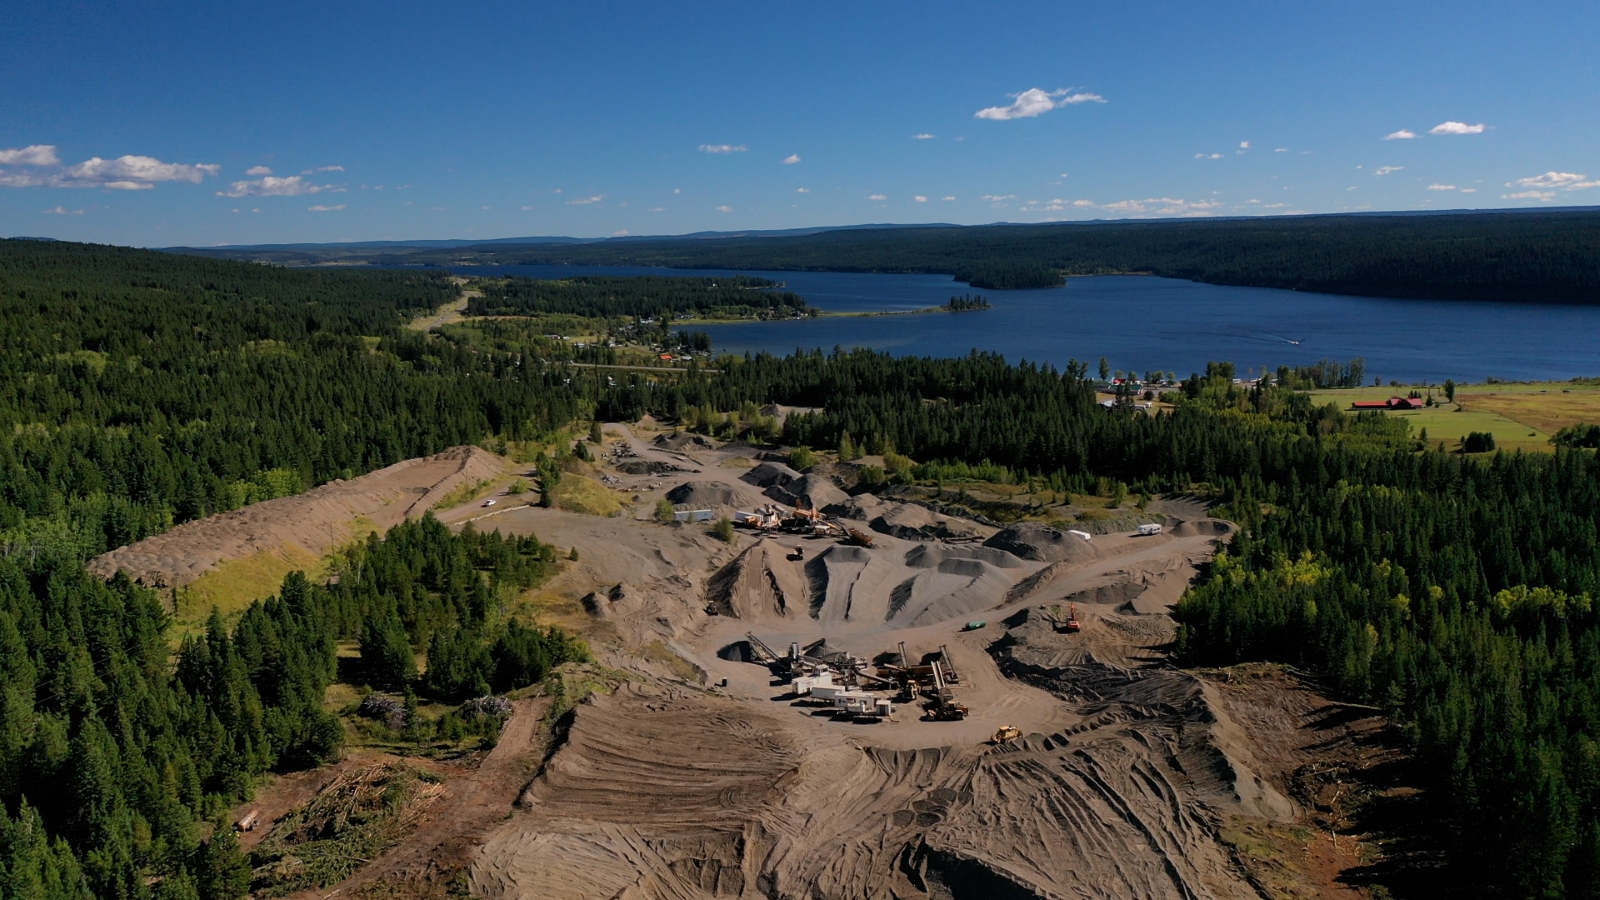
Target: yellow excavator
{"points": [[1005, 735]]}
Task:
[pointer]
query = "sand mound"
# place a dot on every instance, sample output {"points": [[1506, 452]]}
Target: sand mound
{"points": [[1031, 540], [712, 495], [834, 575], [759, 583], [683, 440], [927, 556], [812, 491], [1193, 528], [318, 520], [949, 589], [770, 474]]}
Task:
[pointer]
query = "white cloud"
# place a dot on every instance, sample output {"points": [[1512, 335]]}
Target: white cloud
{"points": [[674, 190], [135, 172], [1281, 150], [950, 197], [63, 211], [257, 171], [724, 209], [1529, 195], [1469, 190], [791, 159], [920, 199], [1083, 203], [585, 201], [723, 148], [1385, 170], [1457, 128], [1441, 187], [1208, 156], [31, 155], [996, 198], [802, 190], [1401, 135], [658, 209], [1160, 206], [1567, 181], [320, 169], [1244, 145], [878, 197], [125, 173], [923, 137], [622, 233], [1035, 102], [271, 186], [320, 208]]}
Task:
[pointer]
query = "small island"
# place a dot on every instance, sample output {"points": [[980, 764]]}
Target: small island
{"points": [[966, 303]]}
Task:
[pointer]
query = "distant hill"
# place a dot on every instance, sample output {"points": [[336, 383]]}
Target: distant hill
{"points": [[1521, 255]]}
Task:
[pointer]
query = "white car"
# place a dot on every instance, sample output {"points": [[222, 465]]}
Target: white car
{"points": [[488, 503]]}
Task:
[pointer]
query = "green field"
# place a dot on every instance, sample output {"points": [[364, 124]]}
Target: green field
{"points": [[1520, 416]]}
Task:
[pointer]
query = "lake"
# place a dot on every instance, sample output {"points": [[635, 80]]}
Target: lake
{"points": [[1143, 323]]}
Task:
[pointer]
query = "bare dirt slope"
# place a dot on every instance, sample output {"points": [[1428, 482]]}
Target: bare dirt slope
{"points": [[317, 520]]}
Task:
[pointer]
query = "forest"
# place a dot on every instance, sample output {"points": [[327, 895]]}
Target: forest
{"points": [[1504, 255], [114, 759], [1454, 590], [640, 297], [1500, 256], [139, 390]]}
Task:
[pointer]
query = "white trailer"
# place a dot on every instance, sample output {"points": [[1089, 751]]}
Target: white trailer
{"points": [[1149, 529], [1081, 534]]}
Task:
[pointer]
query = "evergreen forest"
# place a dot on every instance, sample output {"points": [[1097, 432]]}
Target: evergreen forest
{"points": [[1522, 255], [641, 297]]}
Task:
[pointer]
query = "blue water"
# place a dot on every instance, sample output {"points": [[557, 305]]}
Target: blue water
{"points": [[1142, 323]]}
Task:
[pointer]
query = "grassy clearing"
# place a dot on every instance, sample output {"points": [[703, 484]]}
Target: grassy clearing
{"points": [[1484, 408], [580, 494], [233, 585], [1546, 409]]}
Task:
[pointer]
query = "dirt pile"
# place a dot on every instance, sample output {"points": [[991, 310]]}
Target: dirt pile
{"points": [[683, 440], [770, 474], [1031, 540], [715, 495], [925, 556], [951, 588], [760, 583], [811, 491], [318, 520]]}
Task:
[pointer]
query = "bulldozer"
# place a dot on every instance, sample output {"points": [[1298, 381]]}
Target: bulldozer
{"points": [[1005, 735]]}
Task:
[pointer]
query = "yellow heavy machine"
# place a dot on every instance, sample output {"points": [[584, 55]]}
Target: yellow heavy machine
{"points": [[1005, 735]]}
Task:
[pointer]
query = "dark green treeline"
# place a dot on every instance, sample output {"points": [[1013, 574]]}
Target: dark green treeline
{"points": [[111, 756], [139, 389]]}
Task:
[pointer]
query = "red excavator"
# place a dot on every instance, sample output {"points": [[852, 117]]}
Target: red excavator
{"points": [[1072, 619]]}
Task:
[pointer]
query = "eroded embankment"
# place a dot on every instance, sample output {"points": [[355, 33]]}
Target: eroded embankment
{"points": [[663, 793], [317, 521]]}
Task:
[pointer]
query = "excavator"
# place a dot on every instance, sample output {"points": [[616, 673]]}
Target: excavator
{"points": [[1005, 735]]}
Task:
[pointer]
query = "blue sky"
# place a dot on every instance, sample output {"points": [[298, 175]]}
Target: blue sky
{"points": [[168, 123]]}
